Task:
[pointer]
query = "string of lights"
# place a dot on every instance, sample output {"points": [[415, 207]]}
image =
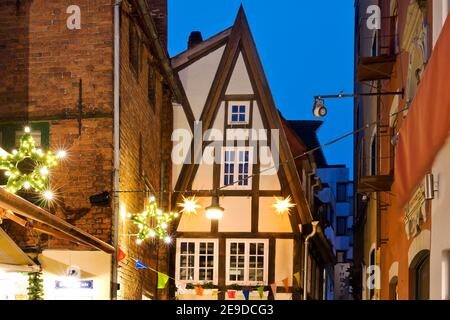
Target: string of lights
{"points": [[304, 154]]}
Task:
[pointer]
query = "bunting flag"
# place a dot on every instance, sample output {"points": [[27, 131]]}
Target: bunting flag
{"points": [[261, 292], [246, 293], [297, 278], [120, 255], [273, 286], [286, 284], [231, 294], [162, 280], [140, 265], [215, 292], [199, 291]]}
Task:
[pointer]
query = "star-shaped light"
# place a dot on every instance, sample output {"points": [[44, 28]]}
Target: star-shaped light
{"points": [[283, 205], [153, 222], [28, 167], [189, 205]]}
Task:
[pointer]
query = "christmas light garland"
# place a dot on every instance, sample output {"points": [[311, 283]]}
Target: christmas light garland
{"points": [[153, 222], [28, 167]]}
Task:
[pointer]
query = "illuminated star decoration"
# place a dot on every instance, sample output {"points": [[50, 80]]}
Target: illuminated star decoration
{"points": [[283, 205], [28, 167], [189, 205], [153, 222]]}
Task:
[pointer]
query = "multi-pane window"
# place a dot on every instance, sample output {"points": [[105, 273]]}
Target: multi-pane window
{"points": [[133, 47], [247, 262], [238, 113], [206, 261], [341, 226], [256, 262], [237, 262], [187, 261], [228, 173], [341, 192], [196, 260], [237, 167], [151, 85]]}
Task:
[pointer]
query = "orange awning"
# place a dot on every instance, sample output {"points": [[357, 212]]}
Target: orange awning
{"points": [[427, 125]]}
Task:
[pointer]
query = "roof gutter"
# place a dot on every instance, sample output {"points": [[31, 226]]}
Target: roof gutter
{"points": [[28, 210], [160, 51]]}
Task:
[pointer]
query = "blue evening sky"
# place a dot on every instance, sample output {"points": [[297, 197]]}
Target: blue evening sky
{"points": [[306, 48]]}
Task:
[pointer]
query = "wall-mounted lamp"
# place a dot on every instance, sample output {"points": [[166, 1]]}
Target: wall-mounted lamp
{"points": [[431, 187], [215, 211], [102, 199]]}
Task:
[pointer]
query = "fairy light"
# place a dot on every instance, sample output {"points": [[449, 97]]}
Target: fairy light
{"points": [[61, 154], [152, 222], [189, 205], [283, 205], [27, 167], [168, 240], [48, 195]]}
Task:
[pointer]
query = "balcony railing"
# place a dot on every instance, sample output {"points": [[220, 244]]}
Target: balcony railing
{"points": [[377, 50], [376, 172]]}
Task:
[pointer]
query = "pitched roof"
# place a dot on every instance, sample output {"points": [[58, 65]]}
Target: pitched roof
{"points": [[240, 41], [307, 131], [185, 58]]}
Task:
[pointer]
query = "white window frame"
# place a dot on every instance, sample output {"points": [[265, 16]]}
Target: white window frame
{"points": [[236, 185], [247, 243], [247, 112], [197, 242]]}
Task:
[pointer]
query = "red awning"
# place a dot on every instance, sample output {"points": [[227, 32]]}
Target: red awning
{"points": [[427, 125]]}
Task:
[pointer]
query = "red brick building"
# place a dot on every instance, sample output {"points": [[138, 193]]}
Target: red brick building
{"points": [[105, 97]]}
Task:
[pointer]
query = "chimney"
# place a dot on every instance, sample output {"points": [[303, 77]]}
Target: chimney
{"points": [[159, 13], [195, 38]]}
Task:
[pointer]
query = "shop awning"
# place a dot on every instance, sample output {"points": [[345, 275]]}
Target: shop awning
{"points": [[24, 208], [427, 125], [12, 258]]}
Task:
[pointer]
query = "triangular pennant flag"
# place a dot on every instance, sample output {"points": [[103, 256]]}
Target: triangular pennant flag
{"points": [[286, 284], [261, 292], [231, 294], [162, 280], [273, 286], [297, 278], [246, 293], [120, 255], [140, 265], [199, 291]]}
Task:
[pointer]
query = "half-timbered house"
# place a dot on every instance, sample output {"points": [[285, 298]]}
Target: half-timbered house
{"points": [[229, 116]]}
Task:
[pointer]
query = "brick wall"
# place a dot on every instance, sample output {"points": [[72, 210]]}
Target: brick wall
{"points": [[140, 162], [160, 17], [45, 62]]}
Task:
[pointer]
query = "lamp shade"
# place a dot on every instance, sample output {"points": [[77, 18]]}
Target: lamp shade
{"points": [[214, 211]]}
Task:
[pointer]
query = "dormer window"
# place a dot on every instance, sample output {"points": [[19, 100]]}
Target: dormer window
{"points": [[238, 113]]}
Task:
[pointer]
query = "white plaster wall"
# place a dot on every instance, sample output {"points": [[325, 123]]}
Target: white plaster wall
{"points": [[237, 216], [204, 178], [196, 222], [240, 81], [198, 78], [440, 12], [440, 226], [283, 260], [179, 122], [269, 221]]}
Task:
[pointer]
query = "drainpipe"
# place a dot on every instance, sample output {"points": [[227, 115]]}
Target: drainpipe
{"points": [[305, 261], [114, 282]]}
